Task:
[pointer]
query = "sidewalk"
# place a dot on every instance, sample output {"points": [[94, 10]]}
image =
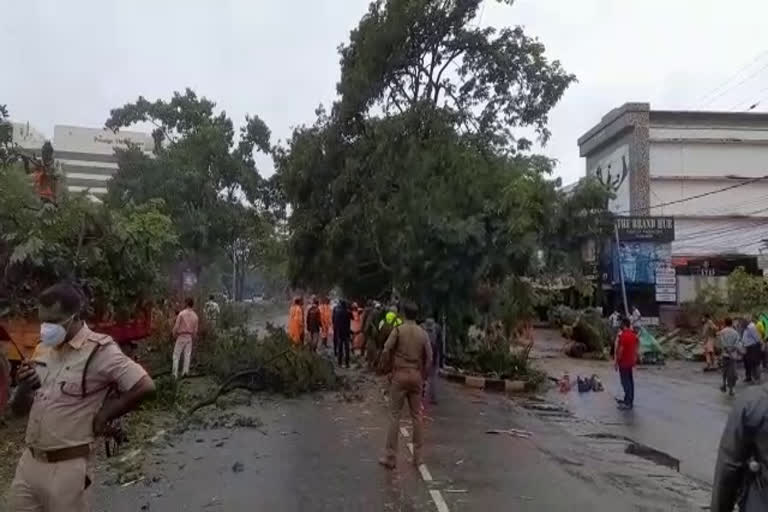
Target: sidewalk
{"points": [[678, 408]]}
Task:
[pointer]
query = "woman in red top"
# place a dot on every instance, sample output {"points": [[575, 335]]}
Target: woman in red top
{"points": [[627, 343]]}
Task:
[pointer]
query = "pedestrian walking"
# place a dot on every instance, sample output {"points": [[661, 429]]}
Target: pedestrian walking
{"points": [[730, 353], [63, 389], [433, 331], [342, 332], [709, 333], [185, 331], [753, 352], [741, 474], [314, 323], [636, 318], [626, 358], [410, 352]]}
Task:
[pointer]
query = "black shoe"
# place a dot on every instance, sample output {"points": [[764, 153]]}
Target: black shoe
{"points": [[620, 400], [625, 407], [731, 393], [722, 388]]}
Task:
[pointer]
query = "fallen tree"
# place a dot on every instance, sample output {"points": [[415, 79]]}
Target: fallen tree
{"points": [[238, 359]]}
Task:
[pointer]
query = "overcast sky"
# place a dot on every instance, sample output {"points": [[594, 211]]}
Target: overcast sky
{"points": [[70, 62]]}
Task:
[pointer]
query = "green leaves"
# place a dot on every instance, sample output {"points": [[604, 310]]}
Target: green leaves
{"points": [[114, 254], [29, 250], [207, 184], [410, 52]]}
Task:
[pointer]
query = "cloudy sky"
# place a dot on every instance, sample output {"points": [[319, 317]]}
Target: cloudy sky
{"points": [[70, 62]]}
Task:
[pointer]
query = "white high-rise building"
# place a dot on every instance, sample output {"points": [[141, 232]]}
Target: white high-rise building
{"points": [[87, 155], [27, 137]]}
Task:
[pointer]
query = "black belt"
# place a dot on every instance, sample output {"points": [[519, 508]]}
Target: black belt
{"points": [[72, 452]]}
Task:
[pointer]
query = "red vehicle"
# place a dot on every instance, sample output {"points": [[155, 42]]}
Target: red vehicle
{"points": [[19, 337]]}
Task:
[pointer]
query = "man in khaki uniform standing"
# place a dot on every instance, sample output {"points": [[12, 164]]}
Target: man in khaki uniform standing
{"points": [[409, 350], [63, 388], [185, 331]]}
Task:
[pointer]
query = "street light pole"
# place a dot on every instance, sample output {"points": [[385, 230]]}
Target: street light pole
{"points": [[621, 270]]}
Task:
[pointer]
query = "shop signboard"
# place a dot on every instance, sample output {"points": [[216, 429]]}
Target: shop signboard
{"points": [[648, 229]]}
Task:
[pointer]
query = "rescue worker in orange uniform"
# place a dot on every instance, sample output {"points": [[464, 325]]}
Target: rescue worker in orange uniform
{"points": [[63, 388], [296, 321], [326, 320], [356, 325]]}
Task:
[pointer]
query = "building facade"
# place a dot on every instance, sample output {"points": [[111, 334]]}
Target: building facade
{"points": [[707, 170], [27, 137], [87, 155]]}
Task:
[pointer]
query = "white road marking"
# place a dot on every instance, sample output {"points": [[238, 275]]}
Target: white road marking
{"points": [[440, 503]]}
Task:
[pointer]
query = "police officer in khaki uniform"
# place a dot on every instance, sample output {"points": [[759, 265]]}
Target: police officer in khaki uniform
{"points": [[409, 350], [63, 388]]}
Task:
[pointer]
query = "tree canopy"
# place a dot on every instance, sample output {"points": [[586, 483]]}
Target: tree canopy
{"points": [[415, 181], [209, 183]]}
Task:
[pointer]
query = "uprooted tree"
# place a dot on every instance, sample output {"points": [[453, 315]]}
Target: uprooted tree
{"points": [[415, 181]]}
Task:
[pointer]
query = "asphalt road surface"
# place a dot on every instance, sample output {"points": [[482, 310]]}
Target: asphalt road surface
{"points": [[679, 409], [319, 453]]}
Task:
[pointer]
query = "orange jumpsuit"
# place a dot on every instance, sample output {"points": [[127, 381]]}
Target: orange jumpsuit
{"points": [[296, 324], [357, 326], [325, 321]]}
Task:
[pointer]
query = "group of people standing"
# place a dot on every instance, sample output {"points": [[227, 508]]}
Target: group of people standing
{"points": [[391, 341], [747, 346], [320, 322]]}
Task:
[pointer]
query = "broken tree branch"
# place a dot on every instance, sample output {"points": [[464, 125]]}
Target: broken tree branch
{"points": [[230, 384]]}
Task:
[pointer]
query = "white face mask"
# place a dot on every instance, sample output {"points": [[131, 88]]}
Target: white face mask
{"points": [[52, 335]]}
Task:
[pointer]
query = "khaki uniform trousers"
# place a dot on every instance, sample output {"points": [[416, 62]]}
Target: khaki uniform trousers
{"points": [[49, 486], [406, 387]]}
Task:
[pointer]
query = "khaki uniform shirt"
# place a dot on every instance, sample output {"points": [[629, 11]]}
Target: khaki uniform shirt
{"points": [[63, 410], [410, 347]]}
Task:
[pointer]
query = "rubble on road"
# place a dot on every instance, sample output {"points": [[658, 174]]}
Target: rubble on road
{"points": [[676, 345]]}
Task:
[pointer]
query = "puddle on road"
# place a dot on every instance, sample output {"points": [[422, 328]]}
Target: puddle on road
{"points": [[641, 450]]}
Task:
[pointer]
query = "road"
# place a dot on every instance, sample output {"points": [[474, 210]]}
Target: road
{"points": [[319, 453], [678, 408]]}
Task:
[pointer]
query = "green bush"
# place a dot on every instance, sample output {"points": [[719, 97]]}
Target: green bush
{"points": [[502, 363], [284, 368]]}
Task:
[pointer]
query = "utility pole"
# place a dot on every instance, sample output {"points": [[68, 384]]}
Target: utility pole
{"points": [[621, 270]]}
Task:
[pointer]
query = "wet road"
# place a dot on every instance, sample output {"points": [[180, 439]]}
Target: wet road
{"points": [[678, 408], [319, 453]]}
